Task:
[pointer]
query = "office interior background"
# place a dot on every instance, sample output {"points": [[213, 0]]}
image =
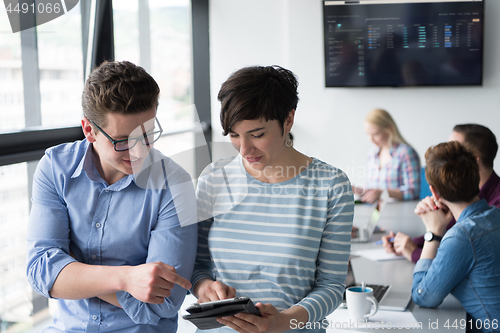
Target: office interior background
{"points": [[190, 48], [329, 121]]}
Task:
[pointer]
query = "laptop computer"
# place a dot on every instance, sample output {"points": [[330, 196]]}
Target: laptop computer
{"points": [[389, 297], [400, 216], [366, 217]]}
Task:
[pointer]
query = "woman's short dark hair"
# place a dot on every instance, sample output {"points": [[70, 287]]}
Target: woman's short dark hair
{"points": [[257, 92], [118, 87], [453, 171], [481, 141]]}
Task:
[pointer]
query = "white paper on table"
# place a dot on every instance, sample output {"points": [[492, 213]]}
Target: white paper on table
{"points": [[340, 321], [377, 255]]}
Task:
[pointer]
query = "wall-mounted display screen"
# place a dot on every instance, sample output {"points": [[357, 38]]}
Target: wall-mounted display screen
{"points": [[403, 43]]}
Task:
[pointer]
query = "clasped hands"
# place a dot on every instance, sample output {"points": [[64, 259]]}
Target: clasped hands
{"points": [[271, 320], [435, 215]]}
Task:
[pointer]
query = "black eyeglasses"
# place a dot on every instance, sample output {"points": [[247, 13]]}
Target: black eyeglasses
{"points": [[146, 139]]}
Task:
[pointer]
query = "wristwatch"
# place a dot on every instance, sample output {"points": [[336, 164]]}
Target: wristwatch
{"points": [[429, 236]]}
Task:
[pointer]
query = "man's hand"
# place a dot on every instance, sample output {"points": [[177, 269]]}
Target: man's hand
{"points": [[404, 245], [388, 245], [208, 290], [152, 282]]}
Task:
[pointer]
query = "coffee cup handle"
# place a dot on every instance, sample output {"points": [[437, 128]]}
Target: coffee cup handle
{"points": [[374, 308]]}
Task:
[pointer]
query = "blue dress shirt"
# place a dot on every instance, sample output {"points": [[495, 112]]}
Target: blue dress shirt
{"points": [[467, 265], [75, 211]]}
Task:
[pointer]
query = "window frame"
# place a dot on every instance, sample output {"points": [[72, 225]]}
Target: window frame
{"points": [[29, 144]]}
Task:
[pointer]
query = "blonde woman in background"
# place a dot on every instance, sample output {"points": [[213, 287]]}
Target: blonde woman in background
{"points": [[393, 165]]}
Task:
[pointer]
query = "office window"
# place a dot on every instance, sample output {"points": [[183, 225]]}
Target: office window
{"points": [[171, 65], [11, 79], [165, 53], [156, 35], [61, 69], [126, 30], [15, 292]]}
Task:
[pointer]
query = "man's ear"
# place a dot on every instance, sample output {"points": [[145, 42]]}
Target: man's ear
{"points": [[88, 131], [435, 194]]}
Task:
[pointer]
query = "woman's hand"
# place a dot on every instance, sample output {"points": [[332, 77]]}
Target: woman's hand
{"points": [[359, 190], [208, 290], [436, 221], [429, 204], [271, 321], [371, 195]]}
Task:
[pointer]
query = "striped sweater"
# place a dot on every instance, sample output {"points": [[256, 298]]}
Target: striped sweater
{"points": [[286, 243]]}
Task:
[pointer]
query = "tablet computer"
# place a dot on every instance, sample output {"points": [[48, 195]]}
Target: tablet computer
{"points": [[204, 315]]}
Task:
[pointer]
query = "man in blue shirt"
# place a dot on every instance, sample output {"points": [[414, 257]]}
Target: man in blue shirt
{"points": [[466, 261], [112, 231]]}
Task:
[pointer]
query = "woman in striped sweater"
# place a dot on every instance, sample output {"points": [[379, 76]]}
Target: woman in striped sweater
{"points": [[276, 223]]}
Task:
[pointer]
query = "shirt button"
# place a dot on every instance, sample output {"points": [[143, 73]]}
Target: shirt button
{"points": [[94, 256], [94, 317], [98, 225], [420, 291]]}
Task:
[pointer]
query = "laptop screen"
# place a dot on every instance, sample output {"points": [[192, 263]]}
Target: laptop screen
{"points": [[349, 281]]}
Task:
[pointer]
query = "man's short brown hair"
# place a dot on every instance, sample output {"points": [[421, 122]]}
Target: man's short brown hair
{"points": [[453, 171], [257, 92], [118, 87], [480, 140]]}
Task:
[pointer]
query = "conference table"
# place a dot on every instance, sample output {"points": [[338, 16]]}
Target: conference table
{"points": [[399, 216]]}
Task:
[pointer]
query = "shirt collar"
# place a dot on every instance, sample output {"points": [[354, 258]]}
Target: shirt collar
{"points": [[475, 208], [83, 165], [391, 150], [490, 186], [87, 165]]}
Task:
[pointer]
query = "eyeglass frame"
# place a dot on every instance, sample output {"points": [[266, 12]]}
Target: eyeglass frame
{"points": [[114, 142]]}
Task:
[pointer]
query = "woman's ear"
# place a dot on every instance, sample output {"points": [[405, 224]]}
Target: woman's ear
{"points": [[88, 131], [435, 194], [289, 121]]}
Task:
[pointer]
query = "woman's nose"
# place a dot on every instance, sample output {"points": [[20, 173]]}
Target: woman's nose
{"points": [[245, 147]]}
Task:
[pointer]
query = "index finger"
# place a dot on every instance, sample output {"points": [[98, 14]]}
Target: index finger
{"points": [[173, 277]]}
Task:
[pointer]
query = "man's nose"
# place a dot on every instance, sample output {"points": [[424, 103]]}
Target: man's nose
{"points": [[139, 150]]}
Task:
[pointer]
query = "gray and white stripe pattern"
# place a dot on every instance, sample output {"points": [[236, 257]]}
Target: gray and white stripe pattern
{"points": [[286, 243]]}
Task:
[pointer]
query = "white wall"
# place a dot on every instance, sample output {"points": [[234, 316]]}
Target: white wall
{"points": [[329, 121]]}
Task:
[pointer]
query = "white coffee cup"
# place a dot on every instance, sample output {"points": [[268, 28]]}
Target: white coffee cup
{"points": [[360, 302]]}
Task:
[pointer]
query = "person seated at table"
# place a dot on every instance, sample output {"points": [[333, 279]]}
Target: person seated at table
{"points": [[466, 260], [286, 243], [482, 142], [393, 165]]}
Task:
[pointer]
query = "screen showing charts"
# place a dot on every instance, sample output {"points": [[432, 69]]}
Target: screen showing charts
{"points": [[403, 43]]}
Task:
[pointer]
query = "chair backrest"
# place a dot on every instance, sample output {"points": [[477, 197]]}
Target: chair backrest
{"points": [[424, 186]]}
